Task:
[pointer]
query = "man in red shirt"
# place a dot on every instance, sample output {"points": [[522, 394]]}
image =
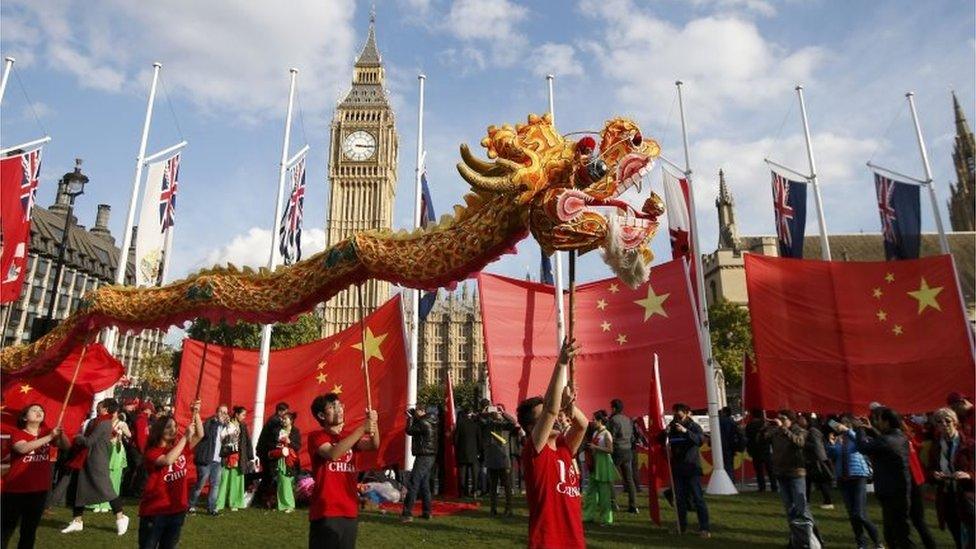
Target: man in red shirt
{"points": [[556, 428], [334, 505]]}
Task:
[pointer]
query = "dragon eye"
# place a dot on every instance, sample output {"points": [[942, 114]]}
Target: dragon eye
{"points": [[637, 139]]}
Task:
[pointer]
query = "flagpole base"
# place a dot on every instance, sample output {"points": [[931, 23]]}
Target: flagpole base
{"points": [[720, 484]]}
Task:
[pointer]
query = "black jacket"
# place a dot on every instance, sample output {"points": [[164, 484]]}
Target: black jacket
{"points": [[204, 452], [685, 456], [889, 455], [731, 436], [467, 441], [424, 433], [756, 442], [268, 438]]}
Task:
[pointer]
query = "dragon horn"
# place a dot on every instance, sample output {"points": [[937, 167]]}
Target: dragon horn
{"points": [[485, 183], [500, 166]]}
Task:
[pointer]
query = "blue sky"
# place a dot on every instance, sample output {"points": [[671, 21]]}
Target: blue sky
{"points": [[86, 67]]}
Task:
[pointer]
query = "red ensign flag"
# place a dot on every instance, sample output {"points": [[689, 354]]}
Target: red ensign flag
{"points": [[299, 374], [619, 331], [835, 336]]}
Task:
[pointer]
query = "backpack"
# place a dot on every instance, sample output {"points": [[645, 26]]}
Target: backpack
{"points": [[804, 535]]}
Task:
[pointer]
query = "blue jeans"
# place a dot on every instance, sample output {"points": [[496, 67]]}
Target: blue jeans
{"points": [[855, 494], [689, 488], [160, 531], [205, 472], [793, 492], [419, 482]]}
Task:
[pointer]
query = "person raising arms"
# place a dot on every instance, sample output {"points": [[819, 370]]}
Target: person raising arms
{"points": [[555, 428]]}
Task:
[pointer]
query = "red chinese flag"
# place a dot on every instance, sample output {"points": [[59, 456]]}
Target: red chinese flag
{"points": [[99, 371], [299, 374], [834, 336], [450, 462], [751, 395], [619, 330], [657, 457], [18, 185]]}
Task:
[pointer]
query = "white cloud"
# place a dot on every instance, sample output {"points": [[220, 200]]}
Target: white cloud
{"points": [[725, 61], [221, 54], [557, 59], [760, 7], [489, 31], [251, 248]]}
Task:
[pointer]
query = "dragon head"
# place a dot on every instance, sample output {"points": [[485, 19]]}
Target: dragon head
{"points": [[573, 188]]}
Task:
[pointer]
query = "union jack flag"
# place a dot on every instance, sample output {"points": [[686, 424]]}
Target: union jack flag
{"points": [[290, 229], [31, 166], [901, 218], [167, 198], [790, 207]]}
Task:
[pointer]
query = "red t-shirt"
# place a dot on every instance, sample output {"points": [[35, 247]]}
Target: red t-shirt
{"points": [[167, 486], [140, 432], [30, 472], [553, 493], [335, 492]]}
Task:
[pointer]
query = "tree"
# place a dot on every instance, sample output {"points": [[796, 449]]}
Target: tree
{"points": [[467, 395], [157, 372], [247, 335], [731, 335]]}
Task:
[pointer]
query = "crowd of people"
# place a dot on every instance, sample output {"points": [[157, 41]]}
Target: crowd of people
{"points": [[568, 464]]}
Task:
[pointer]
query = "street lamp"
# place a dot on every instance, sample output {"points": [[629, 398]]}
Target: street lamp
{"points": [[72, 184]]}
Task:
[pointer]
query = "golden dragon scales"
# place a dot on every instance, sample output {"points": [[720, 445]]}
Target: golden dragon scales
{"points": [[565, 192]]}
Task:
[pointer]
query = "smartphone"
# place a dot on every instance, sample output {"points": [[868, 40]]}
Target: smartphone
{"points": [[834, 424]]}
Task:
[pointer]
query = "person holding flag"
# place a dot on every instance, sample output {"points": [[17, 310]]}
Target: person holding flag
{"points": [[556, 428], [684, 437], [334, 509]]}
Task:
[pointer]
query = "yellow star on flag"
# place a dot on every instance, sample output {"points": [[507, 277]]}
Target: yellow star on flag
{"points": [[890, 277], [882, 316], [373, 343], [337, 389], [897, 330], [602, 304], [653, 304], [321, 377], [877, 293], [25, 388], [320, 365], [605, 326], [614, 288], [336, 345], [621, 339], [926, 296]]}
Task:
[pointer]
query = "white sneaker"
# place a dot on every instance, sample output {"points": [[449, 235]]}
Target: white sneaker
{"points": [[73, 526], [827, 506], [122, 525]]}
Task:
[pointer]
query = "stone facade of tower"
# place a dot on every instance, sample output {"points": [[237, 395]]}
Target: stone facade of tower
{"points": [[962, 204], [728, 232], [452, 341], [362, 174]]}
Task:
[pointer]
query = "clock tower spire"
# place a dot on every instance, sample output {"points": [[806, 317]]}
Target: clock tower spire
{"points": [[362, 174]]}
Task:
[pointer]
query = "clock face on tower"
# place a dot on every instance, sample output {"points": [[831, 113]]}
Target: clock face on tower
{"points": [[359, 145]]}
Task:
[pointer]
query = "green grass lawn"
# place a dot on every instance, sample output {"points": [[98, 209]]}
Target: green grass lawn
{"points": [[749, 520]]}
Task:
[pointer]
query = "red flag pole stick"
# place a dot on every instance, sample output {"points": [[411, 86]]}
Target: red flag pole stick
{"points": [[203, 362], [74, 378], [362, 328], [572, 314]]}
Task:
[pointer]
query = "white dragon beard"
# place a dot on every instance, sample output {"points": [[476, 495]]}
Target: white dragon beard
{"points": [[628, 265]]}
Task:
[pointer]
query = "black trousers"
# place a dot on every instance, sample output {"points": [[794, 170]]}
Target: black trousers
{"points": [[468, 475], [332, 533], [26, 509], [79, 510], [894, 513], [763, 469], [916, 512], [823, 486], [623, 459], [505, 477]]}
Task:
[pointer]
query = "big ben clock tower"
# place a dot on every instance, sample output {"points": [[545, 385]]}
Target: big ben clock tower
{"points": [[362, 173]]}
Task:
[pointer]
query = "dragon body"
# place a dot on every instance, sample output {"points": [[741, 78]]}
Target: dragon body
{"points": [[565, 192]]}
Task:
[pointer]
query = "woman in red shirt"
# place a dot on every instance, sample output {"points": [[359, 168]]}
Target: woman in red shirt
{"points": [[165, 498], [28, 481]]}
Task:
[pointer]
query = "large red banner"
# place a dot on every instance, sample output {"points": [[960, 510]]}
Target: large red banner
{"points": [[618, 328], [99, 371], [835, 336], [18, 186], [299, 374]]}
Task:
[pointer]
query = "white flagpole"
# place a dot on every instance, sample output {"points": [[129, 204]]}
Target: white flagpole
{"points": [[111, 334], [265, 353], [824, 242], [415, 294], [8, 65], [167, 249], [719, 483], [943, 241], [557, 256]]}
